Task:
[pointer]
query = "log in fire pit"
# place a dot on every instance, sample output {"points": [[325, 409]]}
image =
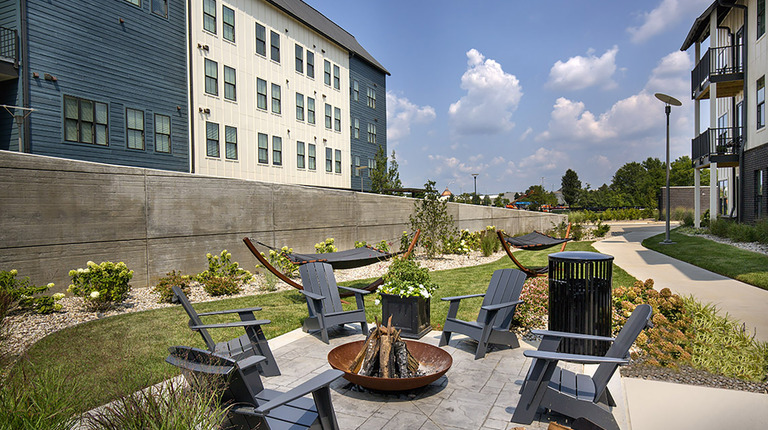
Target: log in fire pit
{"points": [[385, 362]]}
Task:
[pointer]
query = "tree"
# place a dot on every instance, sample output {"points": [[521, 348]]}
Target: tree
{"points": [[500, 201], [379, 174], [571, 187], [393, 176], [486, 201], [538, 196], [430, 215]]}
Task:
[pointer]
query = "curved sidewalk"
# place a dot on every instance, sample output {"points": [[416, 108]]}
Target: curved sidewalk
{"points": [[744, 302]]}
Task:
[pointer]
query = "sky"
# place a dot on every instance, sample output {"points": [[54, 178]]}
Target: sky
{"points": [[519, 92]]}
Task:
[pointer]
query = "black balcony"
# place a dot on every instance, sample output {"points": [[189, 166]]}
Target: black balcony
{"points": [[717, 145], [9, 54], [723, 66]]}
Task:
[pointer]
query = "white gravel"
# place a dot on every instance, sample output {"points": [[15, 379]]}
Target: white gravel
{"points": [[749, 246]]}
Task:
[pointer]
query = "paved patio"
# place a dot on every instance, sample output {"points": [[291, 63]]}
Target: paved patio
{"points": [[473, 394]]}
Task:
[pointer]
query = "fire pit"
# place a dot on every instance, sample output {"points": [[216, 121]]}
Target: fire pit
{"points": [[432, 363]]}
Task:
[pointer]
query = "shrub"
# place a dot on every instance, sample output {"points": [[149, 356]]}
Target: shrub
{"points": [[280, 260], [221, 286], [719, 227], [222, 266], [361, 244], [382, 246], [326, 246], [430, 215], [101, 285], [406, 278], [532, 313], [742, 232], [489, 241], [761, 230], [577, 232], [164, 287], [460, 244], [601, 229], [405, 241], [20, 293], [688, 219]]}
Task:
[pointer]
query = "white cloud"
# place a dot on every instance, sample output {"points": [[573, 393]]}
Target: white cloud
{"points": [[667, 13], [492, 96], [582, 72], [672, 75], [526, 133], [401, 113]]}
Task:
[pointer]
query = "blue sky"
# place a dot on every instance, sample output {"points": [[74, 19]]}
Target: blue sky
{"points": [[519, 91]]}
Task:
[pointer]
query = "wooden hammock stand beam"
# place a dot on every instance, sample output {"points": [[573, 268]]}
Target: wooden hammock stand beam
{"points": [[532, 272]]}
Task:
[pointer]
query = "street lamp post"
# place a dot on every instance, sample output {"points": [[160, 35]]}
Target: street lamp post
{"points": [[669, 101], [358, 169], [474, 175]]}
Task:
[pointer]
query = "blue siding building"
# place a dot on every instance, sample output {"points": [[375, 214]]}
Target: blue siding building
{"points": [[107, 80], [368, 118]]}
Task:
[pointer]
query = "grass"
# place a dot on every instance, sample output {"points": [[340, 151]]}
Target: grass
{"points": [[125, 353], [745, 266]]}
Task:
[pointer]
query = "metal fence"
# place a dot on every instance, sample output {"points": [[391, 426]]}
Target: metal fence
{"points": [[9, 47]]}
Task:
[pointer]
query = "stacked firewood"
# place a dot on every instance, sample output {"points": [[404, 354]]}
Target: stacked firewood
{"points": [[385, 355]]}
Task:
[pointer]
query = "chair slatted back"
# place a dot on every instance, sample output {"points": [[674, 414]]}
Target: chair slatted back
{"points": [[318, 278], [194, 319], [639, 320], [505, 286]]}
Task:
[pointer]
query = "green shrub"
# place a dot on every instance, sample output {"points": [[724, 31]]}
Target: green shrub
{"points": [[221, 286], [742, 232], [361, 244], [719, 227], [279, 259], [165, 285], [688, 219], [761, 230], [405, 241], [577, 232], [532, 313], [679, 214], [20, 293], [601, 229], [460, 244], [382, 246], [101, 285], [326, 246], [489, 241], [222, 266], [406, 278]]}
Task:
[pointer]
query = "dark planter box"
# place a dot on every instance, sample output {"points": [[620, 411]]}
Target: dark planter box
{"points": [[409, 314]]}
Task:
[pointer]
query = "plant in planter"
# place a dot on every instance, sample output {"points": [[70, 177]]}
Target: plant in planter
{"points": [[405, 295]]}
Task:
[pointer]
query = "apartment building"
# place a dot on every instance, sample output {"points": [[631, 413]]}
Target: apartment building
{"points": [[280, 93], [731, 51], [102, 81]]}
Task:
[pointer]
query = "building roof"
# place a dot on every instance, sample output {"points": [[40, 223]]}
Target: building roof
{"points": [[315, 20], [446, 193], [700, 29]]}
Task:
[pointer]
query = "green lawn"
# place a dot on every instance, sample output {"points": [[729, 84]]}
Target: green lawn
{"points": [[746, 266], [122, 354]]}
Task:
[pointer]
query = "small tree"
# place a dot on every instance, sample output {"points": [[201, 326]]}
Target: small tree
{"points": [[393, 176], [571, 187], [430, 215], [379, 172]]}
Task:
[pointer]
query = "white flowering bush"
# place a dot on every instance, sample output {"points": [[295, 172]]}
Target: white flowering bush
{"points": [[101, 285], [406, 278], [220, 266], [326, 246], [20, 293]]}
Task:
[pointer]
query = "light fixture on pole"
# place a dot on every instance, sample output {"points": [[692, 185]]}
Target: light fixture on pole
{"points": [[668, 102], [358, 169], [19, 117], [474, 175]]}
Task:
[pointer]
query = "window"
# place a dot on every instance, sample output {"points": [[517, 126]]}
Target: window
{"points": [[134, 2], [338, 160], [275, 98], [160, 7], [230, 142], [300, 155], [85, 121], [336, 77], [299, 59], [722, 132], [261, 94], [328, 160], [357, 165], [327, 116], [275, 40], [162, 133], [310, 64], [209, 15], [760, 18], [355, 90], [327, 69], [228, 23], [337, 119], [212, 139], [134, 128], [759, 193], [310, 110], [230, 83], [261, 40], [371, 133], [371, 98], [277, 150], [356, 132], [299, 107], [211, 77], [263, 150], [311, 157], [371, 165], [761, 102]]}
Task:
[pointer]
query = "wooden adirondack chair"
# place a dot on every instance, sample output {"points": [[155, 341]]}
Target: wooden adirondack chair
{"points": [[495, 317], [571, 394], [253, 342], [324, 303], [253, 406]]}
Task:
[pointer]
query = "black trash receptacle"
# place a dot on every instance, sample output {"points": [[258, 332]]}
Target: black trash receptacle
{"points": [[580, 299]]}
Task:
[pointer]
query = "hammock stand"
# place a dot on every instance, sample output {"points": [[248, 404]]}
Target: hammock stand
{"points": [[357, 257], [532, 241]]}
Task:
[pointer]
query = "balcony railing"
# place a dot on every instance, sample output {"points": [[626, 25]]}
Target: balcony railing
{"points": [[9, 49], [717, 65], [716, 142]]}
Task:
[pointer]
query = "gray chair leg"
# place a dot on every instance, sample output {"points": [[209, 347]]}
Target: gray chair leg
{"points": [[364, 327], [482, 347], [325, 413], [445, 338]]}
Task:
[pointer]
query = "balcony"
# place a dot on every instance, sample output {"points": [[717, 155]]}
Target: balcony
{"points": [[9, 54], [717, 145], [721, 65]]}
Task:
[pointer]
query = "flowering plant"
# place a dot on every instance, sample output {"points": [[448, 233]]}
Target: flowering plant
{"points": [[326, 246], [21, 293], [406, 278], [101, 285]]}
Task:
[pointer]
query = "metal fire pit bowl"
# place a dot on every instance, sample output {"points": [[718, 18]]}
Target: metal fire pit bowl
{"points": [[432, 359]]}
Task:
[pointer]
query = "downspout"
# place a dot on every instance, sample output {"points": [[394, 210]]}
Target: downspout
{"points": [[25, 97], [191, 94]]}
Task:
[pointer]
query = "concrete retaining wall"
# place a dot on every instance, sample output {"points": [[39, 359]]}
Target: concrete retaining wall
{"points": [[57, 214]]}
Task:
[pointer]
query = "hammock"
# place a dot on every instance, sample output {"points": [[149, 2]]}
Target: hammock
{"points": [[532, 241]]}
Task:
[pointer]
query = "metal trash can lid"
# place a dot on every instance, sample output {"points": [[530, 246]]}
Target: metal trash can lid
{"points": [[580, 256]]}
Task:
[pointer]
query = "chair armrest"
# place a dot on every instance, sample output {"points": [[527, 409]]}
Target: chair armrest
{"points": [[569, 335], [231, 324], [355, 290], [322, 380], [499, 306], [230, 311], [312, 296], [574, 358], [469, 296]]}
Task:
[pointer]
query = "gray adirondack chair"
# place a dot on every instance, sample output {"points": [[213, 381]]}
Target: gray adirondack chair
{"points": [[253, 342], [495, 317], [323, 300], [253, 406], [577, 395]]}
